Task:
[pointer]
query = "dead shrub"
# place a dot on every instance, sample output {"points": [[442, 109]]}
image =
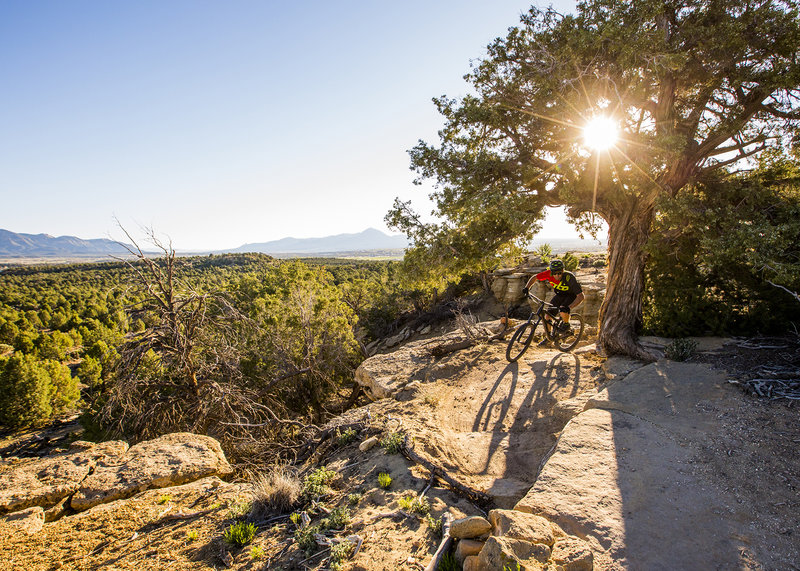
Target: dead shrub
{"points": [[274, 493]]}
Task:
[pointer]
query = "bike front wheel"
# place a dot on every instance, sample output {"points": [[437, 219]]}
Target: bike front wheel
{"points": [[566, 341], [520, 341]]}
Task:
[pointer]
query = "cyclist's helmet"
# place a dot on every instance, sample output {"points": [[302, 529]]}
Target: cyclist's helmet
{"points": [[556, 266]]}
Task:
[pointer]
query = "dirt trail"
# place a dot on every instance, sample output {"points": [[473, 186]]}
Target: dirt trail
{"points": [[492, 423]]}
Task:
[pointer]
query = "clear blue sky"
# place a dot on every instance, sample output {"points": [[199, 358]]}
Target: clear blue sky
{"points": [[226, 122]]}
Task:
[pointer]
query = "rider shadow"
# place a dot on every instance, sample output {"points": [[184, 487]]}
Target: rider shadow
{"points": [[492, 416]]}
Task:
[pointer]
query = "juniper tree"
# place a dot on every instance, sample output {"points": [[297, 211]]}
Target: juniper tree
{"points": [[695, 88]]}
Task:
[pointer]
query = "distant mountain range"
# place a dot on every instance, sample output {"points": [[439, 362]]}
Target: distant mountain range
{"points": [[369, 239], [13, 245], [45, 246]]}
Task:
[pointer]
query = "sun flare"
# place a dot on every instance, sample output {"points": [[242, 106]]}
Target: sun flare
{"points": [[600, 133]]}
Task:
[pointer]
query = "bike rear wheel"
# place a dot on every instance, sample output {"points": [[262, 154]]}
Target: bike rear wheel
{"points": [[567, 341], [520, 341]]}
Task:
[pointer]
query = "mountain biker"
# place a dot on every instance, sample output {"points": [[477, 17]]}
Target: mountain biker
{"points": [[569, 293]]}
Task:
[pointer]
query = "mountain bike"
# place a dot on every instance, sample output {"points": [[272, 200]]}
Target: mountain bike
{"points": [[564, 340]]}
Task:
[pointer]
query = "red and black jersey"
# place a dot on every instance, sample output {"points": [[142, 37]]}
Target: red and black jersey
{"points": [[568, 283]]}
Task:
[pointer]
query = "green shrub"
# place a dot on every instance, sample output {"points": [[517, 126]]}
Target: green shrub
{"points": [[393, 442], [414, 505], [384, 480], [354, 499], [680, 349], [337, 519], [339, 553], [90, 372], [571, 262], [240, 533], [304, 537], [346, 437], [435, 524], [545, 252], [317, 483]]}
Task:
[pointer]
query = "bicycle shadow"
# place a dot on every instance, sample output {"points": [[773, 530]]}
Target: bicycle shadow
{"points": [[510, 417]]}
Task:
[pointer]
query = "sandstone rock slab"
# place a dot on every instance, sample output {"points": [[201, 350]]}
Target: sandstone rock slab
{"points": [[623, 484], [667, 393], [170, 460], [520, 525], [48, 480], [572, 554], [506, 492]]}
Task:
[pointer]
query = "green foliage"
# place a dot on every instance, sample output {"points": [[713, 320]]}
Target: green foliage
{"points": [[680, 349], [354, 499], [545, 252], [90, 372], [341, 552], [448, 563], [317, 483], [345, 437], [257, 552], [240, 533], [571, 262], [31, 391], [411, 503], [338, 519], [192, 535], [384, 480], [277, 336], [393, 442], [666, 73], [435, 524], [304, 538], [303, 324], [722, 253]]}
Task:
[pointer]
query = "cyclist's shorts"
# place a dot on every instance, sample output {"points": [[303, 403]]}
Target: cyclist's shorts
{"points": [[562, 301]]}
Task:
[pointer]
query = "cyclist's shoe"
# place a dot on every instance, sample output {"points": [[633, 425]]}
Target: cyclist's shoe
{"points": [[564, 328]]}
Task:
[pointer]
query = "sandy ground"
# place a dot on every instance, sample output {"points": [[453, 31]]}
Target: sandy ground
{"points": [[484, 420]]}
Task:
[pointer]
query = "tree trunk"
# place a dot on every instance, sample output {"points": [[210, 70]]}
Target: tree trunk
{"points": [[621, 311]]}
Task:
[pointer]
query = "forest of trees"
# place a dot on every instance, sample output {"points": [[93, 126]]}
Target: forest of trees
{"points": [[189, 343]]}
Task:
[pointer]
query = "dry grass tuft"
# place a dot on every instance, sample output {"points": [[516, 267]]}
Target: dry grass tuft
{"points": [[275, 492]]}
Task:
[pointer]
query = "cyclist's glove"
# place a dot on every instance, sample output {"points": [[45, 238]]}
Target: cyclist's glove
{"points": [[525, 291]]}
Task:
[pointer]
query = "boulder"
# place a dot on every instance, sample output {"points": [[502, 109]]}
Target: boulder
{"points": [[519, 525], [471, 563], [385, 375], [170, 460], [467, 548], [501, 553], [46, 481], [470, 527], [368, 444]]}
